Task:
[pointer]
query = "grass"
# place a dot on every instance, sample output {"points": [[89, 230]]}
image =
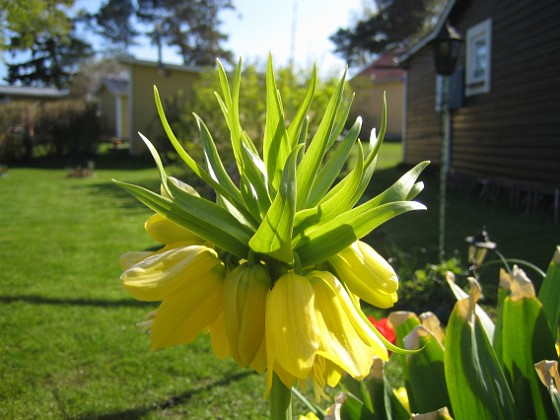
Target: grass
{"points": [[69, 347]]}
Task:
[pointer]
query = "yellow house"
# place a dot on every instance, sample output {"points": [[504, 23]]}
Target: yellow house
{"points": [[113, 107], [369, 84], [127, 105]]}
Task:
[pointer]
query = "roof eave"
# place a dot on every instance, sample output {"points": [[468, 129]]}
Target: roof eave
{"points": [[428, 38]]}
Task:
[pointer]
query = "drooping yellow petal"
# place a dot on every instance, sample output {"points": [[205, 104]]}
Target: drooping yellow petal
{"points": [[292, 336], [167, 232], [220, 343], [362, 327], [165, 273], [259, 362], [185, 314], [367, 274], [251, 329], [245, 292], [340, 342], [128, 259]]}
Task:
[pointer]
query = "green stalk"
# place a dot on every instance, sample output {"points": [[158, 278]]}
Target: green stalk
{"points": [[280, 400]]}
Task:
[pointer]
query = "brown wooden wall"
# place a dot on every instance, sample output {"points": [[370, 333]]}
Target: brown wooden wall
{"points": [[512, 132], [423, 128]]}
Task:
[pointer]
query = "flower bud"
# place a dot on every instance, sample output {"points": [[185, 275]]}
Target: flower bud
{"points": [[245, 291], [367, 274]]}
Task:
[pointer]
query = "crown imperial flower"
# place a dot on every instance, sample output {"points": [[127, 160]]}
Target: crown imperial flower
{"points": [[367, 274], [273, 269]]}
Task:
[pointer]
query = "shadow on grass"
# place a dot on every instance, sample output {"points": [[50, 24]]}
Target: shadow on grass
{"points": [[174, 401], [42, 300], [123, 198], [112, 159]]}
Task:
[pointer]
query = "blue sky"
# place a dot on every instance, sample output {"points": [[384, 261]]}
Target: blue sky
{"points": [[257, 27]]}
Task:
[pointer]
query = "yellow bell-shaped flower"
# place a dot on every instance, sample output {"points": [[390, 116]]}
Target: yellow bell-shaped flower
{"points": [[164, 231], [168, 232], [313, 330], [189, 280], [245, 291], [367, 274]]}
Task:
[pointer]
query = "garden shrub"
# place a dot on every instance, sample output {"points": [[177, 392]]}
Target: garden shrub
{"points": [[17, 122], [425, 288], [67, 128]]}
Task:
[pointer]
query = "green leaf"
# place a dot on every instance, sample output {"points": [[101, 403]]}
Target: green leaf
{"points": [[319, 242], [425, 372], [525, 340], [311, 162], [159, 163], [253, 182], [549, 293], [274, 235], [340, 120], [297, 124], [394, 408], [403, 188], [485, 320], [336, 204], [359, 390], [475, 381], [331, 170], [191, 163], [202, 217], [230, 108], [354, 409], [276, 145], [219, 174]]}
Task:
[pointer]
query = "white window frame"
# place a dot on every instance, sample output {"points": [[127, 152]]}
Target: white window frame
{"points": [[477, 79]]}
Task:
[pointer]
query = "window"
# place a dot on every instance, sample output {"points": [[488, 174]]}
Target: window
{"points": [[479, 57]]}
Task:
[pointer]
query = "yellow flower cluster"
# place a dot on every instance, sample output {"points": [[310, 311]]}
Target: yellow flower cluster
{"points": [[274, 269], [299, 325]]}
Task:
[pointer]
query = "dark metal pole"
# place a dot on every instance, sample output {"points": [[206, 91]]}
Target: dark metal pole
{"points": [[443, 166]]}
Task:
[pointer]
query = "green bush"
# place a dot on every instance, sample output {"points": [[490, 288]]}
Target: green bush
{"points": [[17, 122], [67, 128], [426, 288]]}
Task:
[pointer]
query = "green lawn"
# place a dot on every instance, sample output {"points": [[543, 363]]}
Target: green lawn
{"points": [[69, 347]]}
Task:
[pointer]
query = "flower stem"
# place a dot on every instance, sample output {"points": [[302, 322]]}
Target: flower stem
{"points": [[280, 400]]}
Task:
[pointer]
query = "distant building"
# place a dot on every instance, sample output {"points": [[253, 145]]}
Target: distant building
{"points": [[15, 93], [370, 83], [126, 104], [113, 106], [505, 122]]}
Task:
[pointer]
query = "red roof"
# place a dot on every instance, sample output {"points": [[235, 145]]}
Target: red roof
{"points": [[384, 68]]}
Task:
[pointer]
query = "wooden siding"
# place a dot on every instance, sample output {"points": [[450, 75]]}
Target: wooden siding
{"points": [[423, 124], [512, 133]]}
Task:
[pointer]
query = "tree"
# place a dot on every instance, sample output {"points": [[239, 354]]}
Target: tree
{"points": [[192, 26], [54, 60], [114, 22], [41, 36], [394, 26], [25, 19]]}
